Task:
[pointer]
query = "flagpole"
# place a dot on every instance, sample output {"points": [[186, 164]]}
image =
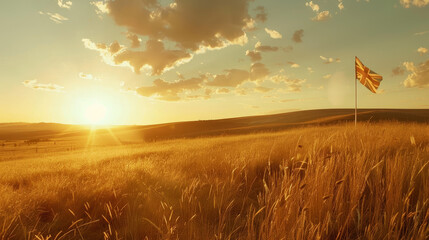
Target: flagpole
{"points": [[355, 95]]}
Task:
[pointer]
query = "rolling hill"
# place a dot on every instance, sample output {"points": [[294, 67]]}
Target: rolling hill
{"points": [[241, 125]]}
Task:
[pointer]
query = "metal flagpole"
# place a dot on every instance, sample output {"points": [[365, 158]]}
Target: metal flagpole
{"points": [[355, 95]]}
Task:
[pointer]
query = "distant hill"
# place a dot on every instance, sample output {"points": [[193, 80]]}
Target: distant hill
{"points": [[241, 125]]}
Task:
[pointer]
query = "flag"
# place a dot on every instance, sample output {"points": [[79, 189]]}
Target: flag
{"points": [[368, 78]]}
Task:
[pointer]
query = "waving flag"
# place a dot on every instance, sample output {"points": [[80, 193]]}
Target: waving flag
{"points": [[368, 78]]}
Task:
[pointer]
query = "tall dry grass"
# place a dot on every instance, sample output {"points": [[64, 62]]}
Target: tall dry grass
{"points": [[327, 182]]}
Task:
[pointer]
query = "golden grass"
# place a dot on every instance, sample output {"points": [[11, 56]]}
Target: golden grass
{"points": [[327, 182]]}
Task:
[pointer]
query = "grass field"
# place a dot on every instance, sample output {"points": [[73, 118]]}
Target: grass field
{"points": [[327, 182]]}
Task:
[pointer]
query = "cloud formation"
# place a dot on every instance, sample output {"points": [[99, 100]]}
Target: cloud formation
{"points": [[191, 24], [291, 85], [66, 4], [273, 33], [313, 6], [134, 39], [155, 57], [88, 77], [42, 86], [422, 50], [261, 14], [417, 3], [329, 60], [322, 16], [297, 36], [265, 48], [57, 18], [419, 75], [231, 78], [293, 64], [169, 91], [340, 5], [254, 55]]}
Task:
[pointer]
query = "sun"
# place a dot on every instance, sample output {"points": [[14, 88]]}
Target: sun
{"points": [[95, 113]]}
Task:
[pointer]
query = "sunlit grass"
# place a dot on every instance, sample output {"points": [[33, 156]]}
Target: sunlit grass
{"points": [[327, 182]]}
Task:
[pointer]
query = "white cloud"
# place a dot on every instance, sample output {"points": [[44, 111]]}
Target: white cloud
{"points": [[55, 17], [422, 50], [341, 6], [88, 77], [327, 76], [273, 33], [313, 6], [322, 16], [310, 70], [63, 4], [329, 60], [417, 3], [42, 86], [419, 75]]}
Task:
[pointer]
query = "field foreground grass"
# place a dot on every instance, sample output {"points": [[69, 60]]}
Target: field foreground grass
{"points": [[326, 182]]}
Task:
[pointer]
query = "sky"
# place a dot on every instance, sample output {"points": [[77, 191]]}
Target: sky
{"points": [[155, 61]]}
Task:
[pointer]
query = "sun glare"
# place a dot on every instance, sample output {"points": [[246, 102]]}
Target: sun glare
{"points": [[95, 113]]}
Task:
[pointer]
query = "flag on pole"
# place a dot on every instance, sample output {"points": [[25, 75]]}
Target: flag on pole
{"points": [[368, 78]]}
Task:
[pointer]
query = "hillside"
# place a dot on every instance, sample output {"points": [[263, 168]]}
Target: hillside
{"points": [[241, 125]]}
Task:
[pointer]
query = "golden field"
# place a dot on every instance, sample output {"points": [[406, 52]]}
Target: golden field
{"points": [[322, 182]]}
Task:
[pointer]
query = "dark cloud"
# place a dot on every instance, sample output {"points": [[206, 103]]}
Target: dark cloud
{"points": [[298, 35], [264, 48], [254, 55], [261, 14], [135, 41]]}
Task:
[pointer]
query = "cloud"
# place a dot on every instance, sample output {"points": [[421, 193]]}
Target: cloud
{"points": [[313, 6], [293, 64], [273, 33], [327, 76], [419, 75], [231, 78], [169, 91], [262, 89], [417, 3], [100, 7], [322, 16], [191, 24], [397, 71], [310, 70], [254, 55], [57, 18], [297, 36], [421, 33], [63, 4], [292, 85], [329, 60], [222, 90], [340, 5], [135, 41], [261, 15], [155, 57], [258, 72], [264, 48], [422, 50], [235, 77], [42, 86], [88, 77]]}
